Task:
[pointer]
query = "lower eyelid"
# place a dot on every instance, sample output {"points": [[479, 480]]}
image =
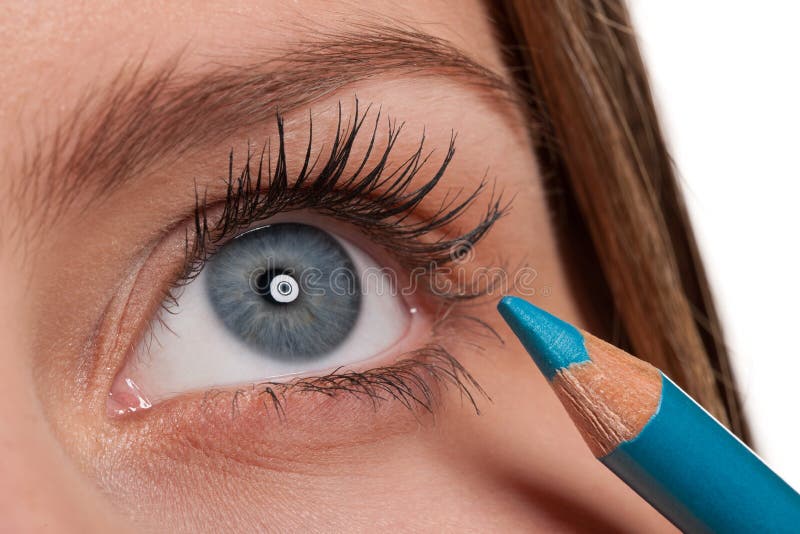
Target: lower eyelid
{"points": [[259, 426], [128, 396], [413, 376], [312, 431], [243, 428]]}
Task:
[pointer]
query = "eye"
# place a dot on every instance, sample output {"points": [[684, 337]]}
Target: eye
{"points": [[282, 300], [254, 287]]}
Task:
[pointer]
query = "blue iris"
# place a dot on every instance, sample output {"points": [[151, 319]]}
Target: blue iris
{"points": [[288, 290]]}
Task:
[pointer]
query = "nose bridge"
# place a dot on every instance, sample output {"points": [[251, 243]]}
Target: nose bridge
{"points": [[40, 488]]}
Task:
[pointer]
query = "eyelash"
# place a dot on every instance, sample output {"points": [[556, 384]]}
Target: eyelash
{"points": [[379, 202], [412, 381], [379, 205]]}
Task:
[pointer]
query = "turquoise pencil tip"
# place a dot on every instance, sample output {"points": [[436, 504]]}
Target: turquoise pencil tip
{"points": [[552, 343]]}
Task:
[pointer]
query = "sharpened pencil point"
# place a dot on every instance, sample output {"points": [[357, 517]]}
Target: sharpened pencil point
{"points": [[552, 343]]}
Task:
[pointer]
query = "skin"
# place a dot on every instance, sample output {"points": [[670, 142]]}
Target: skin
{"points": [[78, 293]]}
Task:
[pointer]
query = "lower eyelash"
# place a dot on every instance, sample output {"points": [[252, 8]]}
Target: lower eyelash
{"points": [[416, 381]]}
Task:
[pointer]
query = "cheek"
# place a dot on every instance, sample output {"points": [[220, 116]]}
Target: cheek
{"points": [[238, 462], [327, 450], [37, 485]]}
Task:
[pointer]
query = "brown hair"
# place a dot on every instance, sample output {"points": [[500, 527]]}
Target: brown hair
{"points": [[602, 153]]}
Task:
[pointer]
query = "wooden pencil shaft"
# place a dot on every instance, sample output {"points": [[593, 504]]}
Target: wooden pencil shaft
{"points": [[609, 394], [611, 397]]}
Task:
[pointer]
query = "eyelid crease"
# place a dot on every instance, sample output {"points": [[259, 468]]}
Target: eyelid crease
{"points": [[378, 200]]}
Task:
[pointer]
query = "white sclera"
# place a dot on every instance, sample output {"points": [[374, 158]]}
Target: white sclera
{"points": [[191, 349], [283, 288]]}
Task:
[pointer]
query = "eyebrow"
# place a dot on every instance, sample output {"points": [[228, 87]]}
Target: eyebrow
{"points": [[127, 127]]}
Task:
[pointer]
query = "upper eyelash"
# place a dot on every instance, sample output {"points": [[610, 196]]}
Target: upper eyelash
{"points": [[379, 204]]}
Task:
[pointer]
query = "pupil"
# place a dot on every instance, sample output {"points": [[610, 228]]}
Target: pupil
{"points": [[263, 284]]}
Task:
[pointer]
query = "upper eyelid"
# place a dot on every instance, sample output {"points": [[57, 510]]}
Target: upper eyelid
{"points": [[378, 203]]}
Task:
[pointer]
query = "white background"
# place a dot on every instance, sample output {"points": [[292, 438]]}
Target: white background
{"points": [[725, 76]]}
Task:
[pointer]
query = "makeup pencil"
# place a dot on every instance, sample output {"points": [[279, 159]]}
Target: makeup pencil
{"points": [[653, 435]]}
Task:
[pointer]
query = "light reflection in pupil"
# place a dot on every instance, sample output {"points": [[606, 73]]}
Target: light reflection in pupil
{"points": [[284, 289]]}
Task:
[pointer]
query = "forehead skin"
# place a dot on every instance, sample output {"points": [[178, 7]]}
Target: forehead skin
{"points": [[64, 468]]}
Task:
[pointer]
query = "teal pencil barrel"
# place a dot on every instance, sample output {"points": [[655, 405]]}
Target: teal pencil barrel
{"points": [[700, 476], [683, 462]]}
